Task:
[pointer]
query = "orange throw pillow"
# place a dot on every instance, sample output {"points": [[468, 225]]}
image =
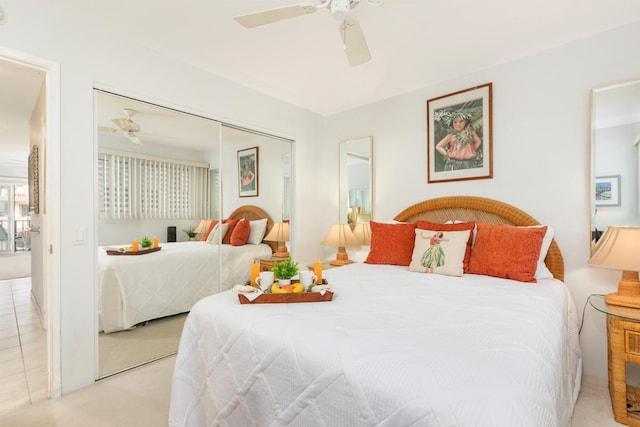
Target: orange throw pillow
{"points": [[506, 251], [240, 233], [232, 224], [460, 226], [391, 243]]}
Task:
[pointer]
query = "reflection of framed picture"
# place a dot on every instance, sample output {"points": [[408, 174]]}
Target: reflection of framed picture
{"points": [[607, 191], [248, 172], [32, 176], [459, 135]]}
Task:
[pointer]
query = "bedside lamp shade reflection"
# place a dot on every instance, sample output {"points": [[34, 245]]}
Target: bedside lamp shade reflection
{"points": [[362, 231], [202, 228], [341, 235], [279, 233], [619, 249]]}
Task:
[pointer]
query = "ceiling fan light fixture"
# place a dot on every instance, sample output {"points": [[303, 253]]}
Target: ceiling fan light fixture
{"points": [[340, 9]]}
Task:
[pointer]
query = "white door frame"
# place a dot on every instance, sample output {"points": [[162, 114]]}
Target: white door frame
{"points": [[50, 217]]}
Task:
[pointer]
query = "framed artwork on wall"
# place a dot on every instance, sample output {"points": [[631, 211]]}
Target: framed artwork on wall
{"points": [[33, 181], [459, 135], [248, 172], [607, 190]]}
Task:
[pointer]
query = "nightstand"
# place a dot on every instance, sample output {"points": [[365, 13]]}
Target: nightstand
{"points": [[623, 341]]}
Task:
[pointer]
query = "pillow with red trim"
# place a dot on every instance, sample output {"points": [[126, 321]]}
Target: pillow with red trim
{"points": [[210, 229], [506, 251], [240, 233], [391, 243], [232, 224], [219, 232], [457, 226]]}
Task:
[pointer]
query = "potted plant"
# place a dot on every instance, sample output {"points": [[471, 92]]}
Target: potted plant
{"points": [[191, 232], [285, 270]]}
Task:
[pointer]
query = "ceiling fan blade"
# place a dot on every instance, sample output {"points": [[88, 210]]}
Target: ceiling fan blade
{"points": [[106, 129], [126, 125], [273, 15], [133, 138], [354, 43]]}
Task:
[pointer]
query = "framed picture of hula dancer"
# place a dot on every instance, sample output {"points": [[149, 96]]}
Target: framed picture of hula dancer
{"points": [[248, 172], [459, 138]]}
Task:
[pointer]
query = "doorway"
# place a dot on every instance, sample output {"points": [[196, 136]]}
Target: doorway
{"points": [[22, 109]]}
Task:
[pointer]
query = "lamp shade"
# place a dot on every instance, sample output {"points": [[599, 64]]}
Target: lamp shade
{"points": [[203, 226], [618, 248], [340, 235], [278, 233], [362, 231]]}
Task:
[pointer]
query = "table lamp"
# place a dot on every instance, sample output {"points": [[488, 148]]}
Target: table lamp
{"points": [[619, 249], [362, 231], [341, 235], [279, 233], [202, 228]]}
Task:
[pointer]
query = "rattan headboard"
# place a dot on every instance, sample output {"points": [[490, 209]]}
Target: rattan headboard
{"points": [[253, 213], [469, 208]]}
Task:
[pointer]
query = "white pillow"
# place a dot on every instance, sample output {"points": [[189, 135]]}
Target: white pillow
{"points": [[448, 247], [257, 229], [218, 233], [542, 272]]}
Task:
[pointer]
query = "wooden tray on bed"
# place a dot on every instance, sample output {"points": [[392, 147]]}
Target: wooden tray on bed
{"points": [[286, 298], [138, 252]]}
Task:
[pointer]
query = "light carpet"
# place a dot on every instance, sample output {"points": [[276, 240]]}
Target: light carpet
{"points": [[14, 265], [125, 349]]}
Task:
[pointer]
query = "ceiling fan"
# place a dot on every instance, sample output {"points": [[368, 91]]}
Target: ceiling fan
{"points": [[125, 124], [353, 39]]}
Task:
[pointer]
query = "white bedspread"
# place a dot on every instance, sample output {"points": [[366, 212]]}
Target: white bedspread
{"points": [[393, 348], [137, 288]]}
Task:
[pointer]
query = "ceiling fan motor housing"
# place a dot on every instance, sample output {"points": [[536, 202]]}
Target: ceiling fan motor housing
{"points": [[340, 9]]}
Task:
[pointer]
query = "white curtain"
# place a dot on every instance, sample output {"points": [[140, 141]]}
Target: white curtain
{"points": [[148, 188]]}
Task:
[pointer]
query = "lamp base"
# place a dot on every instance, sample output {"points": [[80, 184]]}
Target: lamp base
{"points": [[340, 262], [280, 255], [628, 294]]}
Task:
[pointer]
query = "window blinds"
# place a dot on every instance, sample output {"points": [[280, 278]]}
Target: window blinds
{"points": [[147, 188]]}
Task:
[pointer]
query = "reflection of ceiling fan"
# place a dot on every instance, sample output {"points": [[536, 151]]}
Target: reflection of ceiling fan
{"points": [[126, 124], [353, 40]]}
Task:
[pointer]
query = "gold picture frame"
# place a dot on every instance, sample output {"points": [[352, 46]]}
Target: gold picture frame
{"points": [[33, 181]]}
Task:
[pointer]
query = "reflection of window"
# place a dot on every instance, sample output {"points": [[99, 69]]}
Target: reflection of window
{"points": [[145, 188]]}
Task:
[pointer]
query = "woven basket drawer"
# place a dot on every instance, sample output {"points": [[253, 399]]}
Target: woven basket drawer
{"points": [[632, 342]]}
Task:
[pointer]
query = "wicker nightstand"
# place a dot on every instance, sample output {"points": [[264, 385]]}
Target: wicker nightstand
{"points": [[623, 337]]}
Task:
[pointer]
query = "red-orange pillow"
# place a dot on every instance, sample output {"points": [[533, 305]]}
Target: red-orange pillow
{"points": [[232, 224], [460, 226], [240, 233], [391, 243], [502, 250]]}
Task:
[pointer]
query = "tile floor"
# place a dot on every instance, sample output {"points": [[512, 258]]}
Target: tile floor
{"points": [[23, 362]]}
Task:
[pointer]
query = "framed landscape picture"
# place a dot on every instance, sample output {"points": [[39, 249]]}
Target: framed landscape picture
{"points": [[459, 135], [607, 190], [248, 172]]}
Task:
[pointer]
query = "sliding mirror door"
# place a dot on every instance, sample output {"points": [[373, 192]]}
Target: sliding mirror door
{"points": [[256, 172], [158, 177]]}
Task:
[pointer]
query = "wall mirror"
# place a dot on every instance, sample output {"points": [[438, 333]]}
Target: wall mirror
{"points": [[615, 177], [356, 180], [161, 172]]}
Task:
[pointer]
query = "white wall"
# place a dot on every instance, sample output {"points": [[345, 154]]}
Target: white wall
{"points": [[541, 149]]}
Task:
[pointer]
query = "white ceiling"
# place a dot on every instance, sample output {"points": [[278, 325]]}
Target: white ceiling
{"points": [[414, 43]]}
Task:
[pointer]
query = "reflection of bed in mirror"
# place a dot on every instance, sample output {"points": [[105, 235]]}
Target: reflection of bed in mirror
{"points": [[396, 346], [135, 289]]}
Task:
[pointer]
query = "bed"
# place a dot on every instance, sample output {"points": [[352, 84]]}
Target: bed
{"points": [[394, 347], [136, 289]]}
